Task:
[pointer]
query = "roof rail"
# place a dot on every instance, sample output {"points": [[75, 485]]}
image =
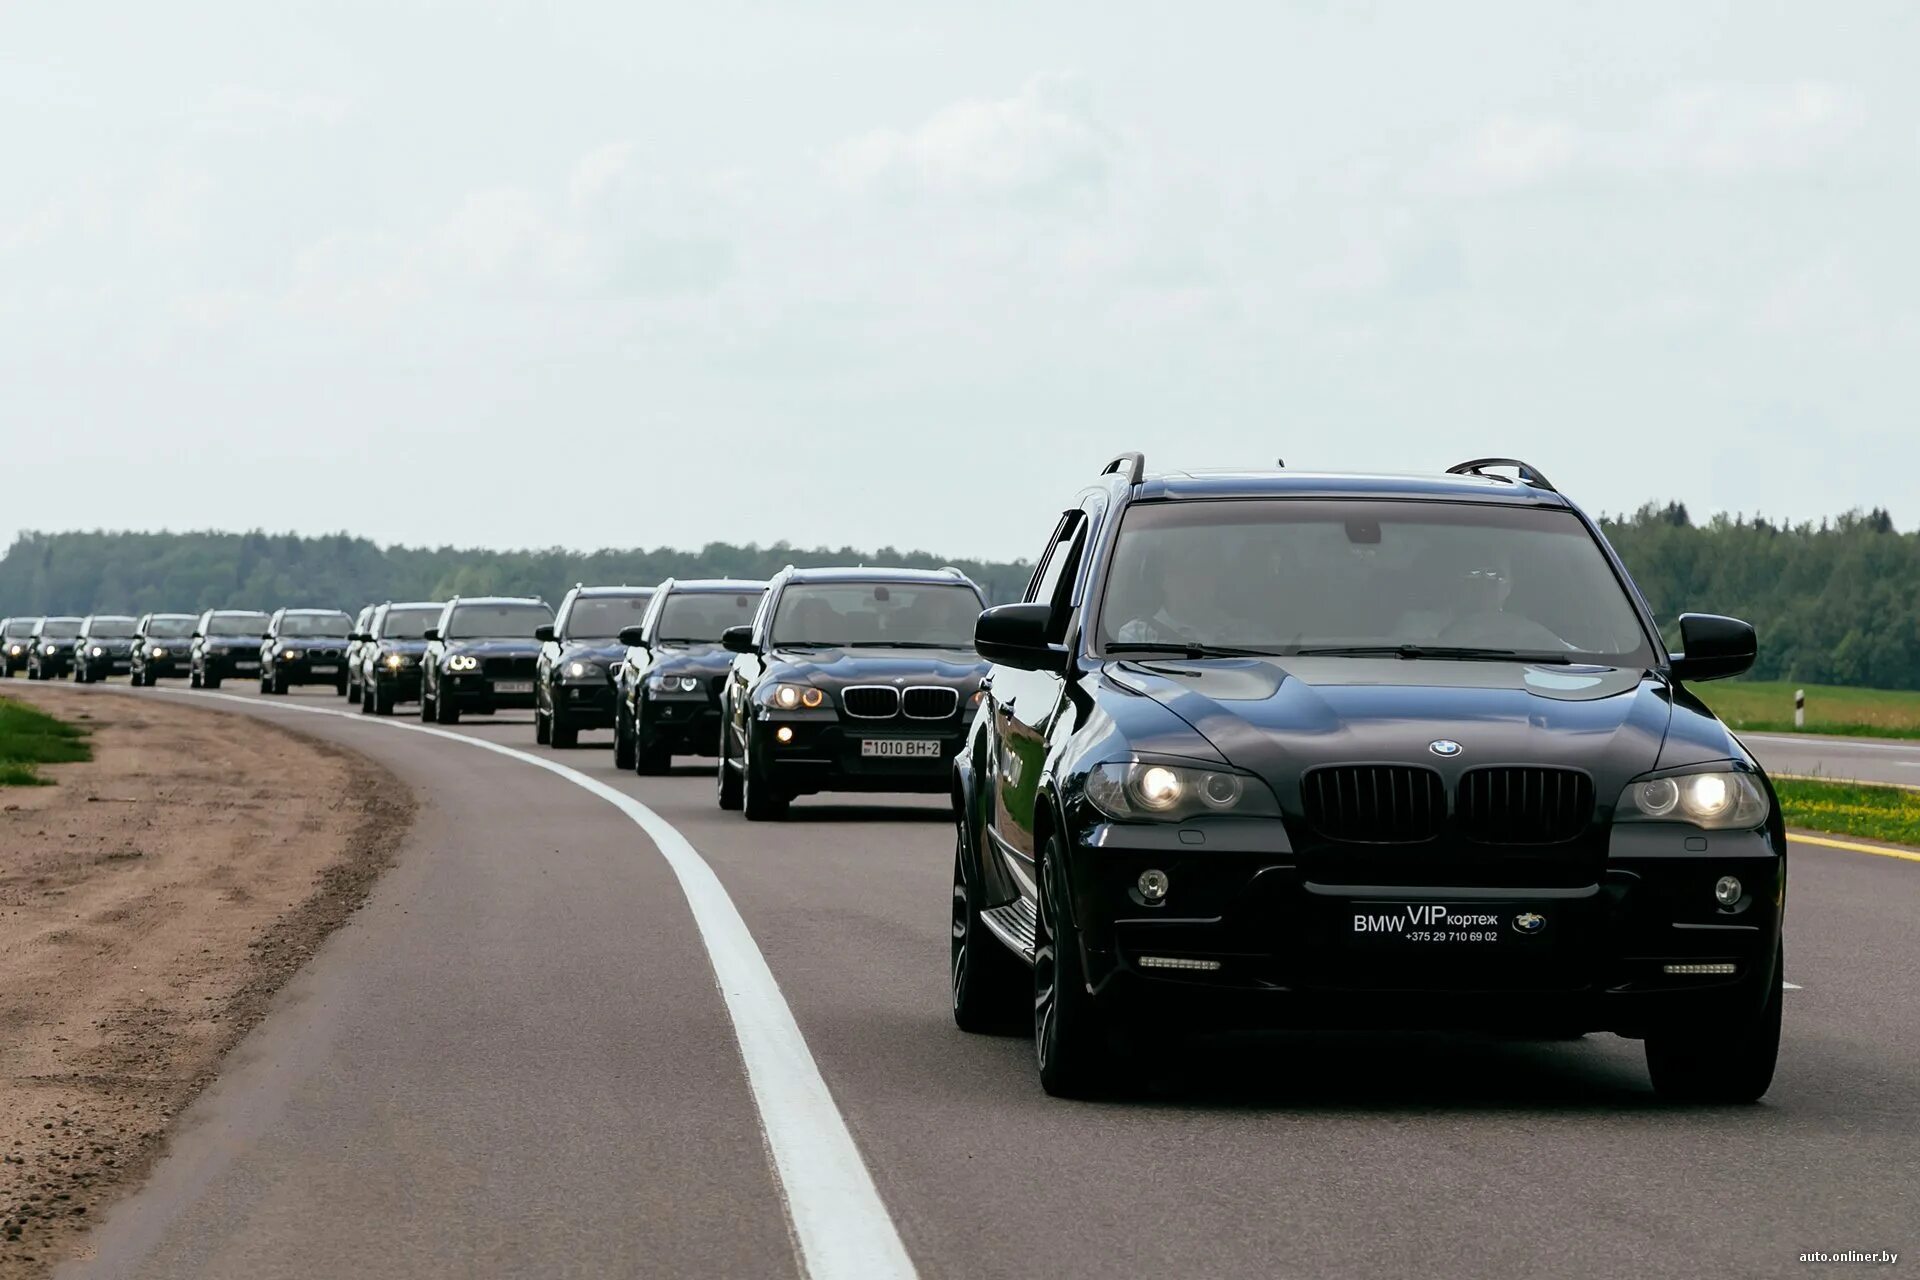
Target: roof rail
{"points": [[1131, 465], [953, 569], [1528, 474]]}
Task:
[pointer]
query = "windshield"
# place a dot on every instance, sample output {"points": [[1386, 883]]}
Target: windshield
{"points": [[169, 628], [17, 627], [601, 617], [331, 626], [922, 615], [514, 621], [237, 624], [693, 617], [1282, 576], [66, 628], [408, 624], [110, 628]]}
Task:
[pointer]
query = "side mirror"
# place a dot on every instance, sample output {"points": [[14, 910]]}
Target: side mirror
{"points": [[738, 640], [431, 633], [544, 633], [633, 637], [196, 636], [361, 636], [1015, 635], [1713, 647]]}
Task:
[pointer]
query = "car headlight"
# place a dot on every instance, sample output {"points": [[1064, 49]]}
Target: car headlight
{"points": [[95, 651], [49, 651], [14, 651], [796, 697], [667, 683], [395, 661], [289, 655], [1133, 791], [1715, 799], [463, 662], [579, 670], [156, 652]]}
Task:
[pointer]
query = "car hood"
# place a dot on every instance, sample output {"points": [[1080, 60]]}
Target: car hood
{"points": [[607, 651], [414, 647], [691, 660], [1279, 717], [231, 639], [112, 644], [830, 668], [495, 648]]}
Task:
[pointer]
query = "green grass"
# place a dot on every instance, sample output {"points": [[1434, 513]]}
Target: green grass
{"points": [[30, 737], [1890, 814], [1767, 706]]}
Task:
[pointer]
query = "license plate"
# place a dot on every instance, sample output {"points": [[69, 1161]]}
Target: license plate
{"points": [[1443, 924], [326, 669], [245, 665], [513, 686], [900, 748]]}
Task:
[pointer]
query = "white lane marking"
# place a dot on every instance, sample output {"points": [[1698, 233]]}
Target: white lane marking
{"points": [[1790, 986], [842, 1227], [1818, 743]]}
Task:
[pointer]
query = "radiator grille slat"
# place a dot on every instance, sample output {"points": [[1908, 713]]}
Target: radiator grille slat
{"points": [[1524, 805], [1374, 803]]}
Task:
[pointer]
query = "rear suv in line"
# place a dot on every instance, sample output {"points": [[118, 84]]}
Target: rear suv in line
{"points": [[161, 647], [573, 678], [667, 689], [848, 680], [391, 650], [50, 647], [1304, 750], [481, 656], [305, 646], [226, 642], [104, 647], [15, 636]]}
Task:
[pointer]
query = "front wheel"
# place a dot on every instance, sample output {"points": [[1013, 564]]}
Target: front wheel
{"points": [[1721, 1064], [758, 796], [989, 983], [622, 739], [193, 678], [727, 782], [210, 681], [1070, 1042], [565, 736], [650, 758]]}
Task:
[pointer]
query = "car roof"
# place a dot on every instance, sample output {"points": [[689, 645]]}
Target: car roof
{"points": [[62, 617], [110, 617], [864, 573], [173, 615], [1177, 485], [496, 600], [613, 591], [719, 586], [414, 604], [286, 612]]}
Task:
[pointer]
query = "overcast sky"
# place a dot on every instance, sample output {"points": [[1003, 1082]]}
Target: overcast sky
{"points": [[618, 274]]}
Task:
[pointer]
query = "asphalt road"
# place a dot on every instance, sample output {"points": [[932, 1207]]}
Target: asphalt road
{"points": [[516, 1061], [1859, 759]]}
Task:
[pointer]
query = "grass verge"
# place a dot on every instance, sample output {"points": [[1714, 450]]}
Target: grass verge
{"points": [[1888, 814], [1766, 706], [29, 737]]}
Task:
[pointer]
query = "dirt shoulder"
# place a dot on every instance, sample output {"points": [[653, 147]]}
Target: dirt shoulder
{"points": [[151, 903]]}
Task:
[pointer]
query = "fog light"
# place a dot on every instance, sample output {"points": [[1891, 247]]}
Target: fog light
{"points": [[1722, 970], [783, 734], [1178, 962], [1727, 891], [1153, 885]]}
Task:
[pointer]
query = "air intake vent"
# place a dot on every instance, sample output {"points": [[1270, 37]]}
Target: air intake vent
{"points": [[1375, 803], [1524, 805], [871, 701]]}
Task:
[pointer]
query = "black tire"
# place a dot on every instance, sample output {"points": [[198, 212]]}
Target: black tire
{"points": [[622, 740], [211, 681], [193, 677], [340, 686], [1071, 1043], [1721, 1064], [726, 780], [279, 685], [542, 729], [565, 735], [649, 759], [79, 675], [366, 698], [446, 712], [990, 984], [382, 700], [427, 708], [760, 800]]}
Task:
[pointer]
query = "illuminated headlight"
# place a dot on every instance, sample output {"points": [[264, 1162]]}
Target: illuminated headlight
{"points": [[396, 661], [658, 683], [289, 655], [1132, 791], [794, 697], [463, 662], [49, 650], [586, 671], [1718, 800], [14, 651], [96, 651], [156, 652]]}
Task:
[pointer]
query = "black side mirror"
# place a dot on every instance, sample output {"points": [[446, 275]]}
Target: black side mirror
{"points": [[1015, 635], [543, 633], [431, 633], [361, 637], [1713, 647], [738, 639], [633, 637], [196, 636]]}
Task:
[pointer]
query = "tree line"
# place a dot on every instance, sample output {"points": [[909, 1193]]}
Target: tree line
{"points": [[1836, 602]]}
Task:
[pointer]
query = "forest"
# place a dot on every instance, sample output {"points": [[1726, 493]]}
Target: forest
{"points": [[1837, 602]]}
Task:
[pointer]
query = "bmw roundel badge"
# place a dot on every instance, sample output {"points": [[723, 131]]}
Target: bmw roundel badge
{"points": [[1529, 922], [1444, 747]]}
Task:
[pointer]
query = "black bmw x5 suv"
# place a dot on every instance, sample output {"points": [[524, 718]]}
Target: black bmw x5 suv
{"points": [[667, 688], [481, 657], [573, 678], [1328, 750], [848, 680]]}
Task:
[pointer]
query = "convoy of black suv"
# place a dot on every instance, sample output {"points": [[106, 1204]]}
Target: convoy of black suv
{"points": [[305, 646], [161, 647], [226, 642], [390, 651], [481, 657], [667, 689], [573, 681], [1310, 750]]}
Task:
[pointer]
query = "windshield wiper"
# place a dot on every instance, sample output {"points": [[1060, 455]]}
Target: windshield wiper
{"points": [[1410, 652], [1177, 649]]}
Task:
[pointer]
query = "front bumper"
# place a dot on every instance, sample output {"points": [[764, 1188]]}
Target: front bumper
{"points": [[1245, 937], [684, 725], [304, 670], [476, 691], [583, 704], [827, 754], [403, 685], [224, 665]]}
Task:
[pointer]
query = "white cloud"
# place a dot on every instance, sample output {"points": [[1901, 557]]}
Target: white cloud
{"points": [[1042, 143]]}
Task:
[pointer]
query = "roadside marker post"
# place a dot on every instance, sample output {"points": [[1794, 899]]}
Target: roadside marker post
{"points": [[1799, 708]]}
